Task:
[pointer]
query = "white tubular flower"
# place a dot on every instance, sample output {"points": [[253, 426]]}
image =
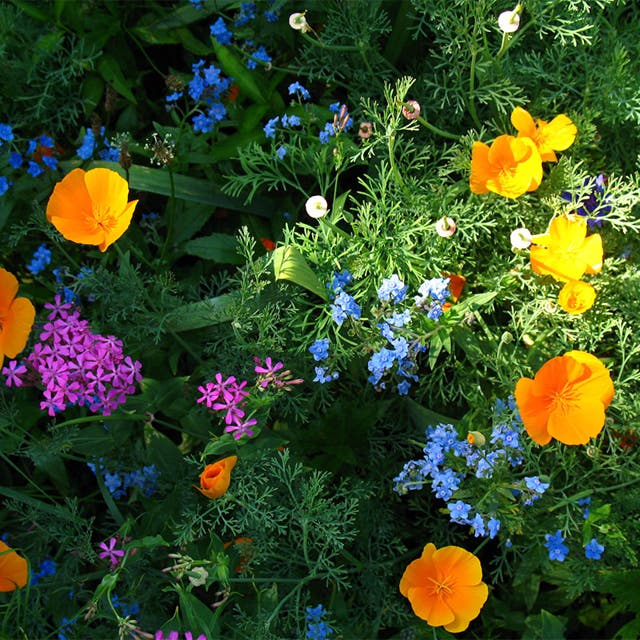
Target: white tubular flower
{"points": [[316, 206]]}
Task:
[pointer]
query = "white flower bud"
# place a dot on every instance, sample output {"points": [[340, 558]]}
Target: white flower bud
{"points": [[316, 206], [521, 238]]}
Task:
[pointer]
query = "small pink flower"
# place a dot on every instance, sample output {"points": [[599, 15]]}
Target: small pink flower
{"points": [[411, 110], [446, 227], [109, 551]]}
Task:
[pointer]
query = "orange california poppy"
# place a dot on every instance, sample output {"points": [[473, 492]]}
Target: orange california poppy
{"points": [[576, 297], [565, 252], [566, 399], [510, 167], [16, 317], [216, 477], [445, 587], [556, 135], [13, 569], [90, 207]]}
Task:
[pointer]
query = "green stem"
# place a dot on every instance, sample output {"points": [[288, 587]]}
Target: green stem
{"points": [[172, 211], [472, 86], [100, 418], [331, 47]]}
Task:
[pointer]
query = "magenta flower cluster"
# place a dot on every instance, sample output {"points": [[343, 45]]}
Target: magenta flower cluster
{"points": [[230, 395], [76, 366]]}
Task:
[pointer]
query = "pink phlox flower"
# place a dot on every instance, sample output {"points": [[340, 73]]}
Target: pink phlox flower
{"points": [[57, 307], [269, 367], [52, 369], [53, 402], [239, 429], [211, 391], [233, 411], [110, 552], [130, 370], [173, 635], [189, 636], [13, 371]]}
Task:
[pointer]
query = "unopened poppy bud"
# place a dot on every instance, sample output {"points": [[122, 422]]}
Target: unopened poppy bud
{"points": [[316, 206], [446, 227], [476, 439], [520, 238], [411, 110], [509, 21], [365, 130], [506, 338], [298, 22]]}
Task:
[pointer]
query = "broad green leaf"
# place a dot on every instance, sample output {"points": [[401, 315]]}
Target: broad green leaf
{"points": [[233, 67], [289, 264], [109, 68], [185, 187], [205, 313], [218, 247]]}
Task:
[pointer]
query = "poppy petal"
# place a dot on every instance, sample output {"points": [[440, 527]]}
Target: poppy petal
{"points": [[429, 607], [108, 190], [70, 198], [523, 122], [579, 424], [122, 224], [13, 569], [17, 327], [534, 411], [8, 290]]}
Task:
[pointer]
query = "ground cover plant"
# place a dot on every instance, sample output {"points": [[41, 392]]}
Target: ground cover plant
{"points": [[319, 320]]}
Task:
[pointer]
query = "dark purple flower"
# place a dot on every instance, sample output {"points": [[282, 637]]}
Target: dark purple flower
{"points": [[595, 204]]}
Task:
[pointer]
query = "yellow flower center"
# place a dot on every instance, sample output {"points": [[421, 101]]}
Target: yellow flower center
{"points": [[564, 400], [102, 217], [442, 588]]}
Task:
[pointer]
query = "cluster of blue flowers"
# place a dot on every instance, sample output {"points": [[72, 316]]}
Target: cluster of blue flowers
{"points": [[320, 351], [284, 120], [317, 628], [63, 277], [39, 156], [443, 441], [596, 204], [104, 148], [47, 568], [41, 259], [343, 304], [207, 86], [145, 479]]}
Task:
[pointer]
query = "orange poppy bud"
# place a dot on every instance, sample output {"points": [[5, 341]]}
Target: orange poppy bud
{"points": [[445, 588], [16, 317], [90, 207], [216, 477], [13, 569]]}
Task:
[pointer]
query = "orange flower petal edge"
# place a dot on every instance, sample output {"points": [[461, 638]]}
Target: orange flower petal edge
{"points": [[16, 317], [90, 207], [548, 137], [216, 477], [444, 587], [13, 569], [566, 399]]}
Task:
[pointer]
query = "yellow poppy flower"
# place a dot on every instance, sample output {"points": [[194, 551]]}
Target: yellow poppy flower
{"points": [[548, 137], [445, 587], [16, 317], [90, 207], [510, 167], [576, 297], [565, 252]]}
